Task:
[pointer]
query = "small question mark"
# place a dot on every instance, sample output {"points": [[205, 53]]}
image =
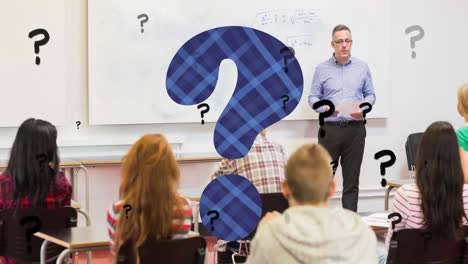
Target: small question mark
{"points": [[334, 166], [415, 38], [213, 217], [287, 57], [324, 114], [38, 43], [386, 164], [127, 208], [254, 104], [145, 16], [365, 111], [30, 231], [78, 123], [395, 222], [203, 112], [285, 100]]}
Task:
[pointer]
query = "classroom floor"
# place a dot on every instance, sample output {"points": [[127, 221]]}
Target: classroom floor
{"points": [[105, 257]]}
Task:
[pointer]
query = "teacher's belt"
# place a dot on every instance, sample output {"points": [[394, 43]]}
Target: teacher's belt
{"points": [[345, 123]]}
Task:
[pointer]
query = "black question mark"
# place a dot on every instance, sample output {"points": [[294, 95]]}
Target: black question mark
{"points": [[30, 231], [285, 100], [39, 43], [386, 164], [127, 208], [213, 218], [365, 111], [145, 16], [334, 166], [324, 114], [395, 222], [78, 123], [204, 111], [287, 57]]}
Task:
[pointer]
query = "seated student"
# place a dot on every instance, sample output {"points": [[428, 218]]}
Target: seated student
{"points": [[462, 133], [263, 165], [438, 201], [309, 231], [150, 178], [32, 178]]}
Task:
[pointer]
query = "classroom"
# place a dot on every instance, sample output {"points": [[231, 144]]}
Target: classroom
{"points": [[105, 73]]}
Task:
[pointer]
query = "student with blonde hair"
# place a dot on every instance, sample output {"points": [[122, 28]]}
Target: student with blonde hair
{"points": [[150, 178], [309, 231], [462, 133]]}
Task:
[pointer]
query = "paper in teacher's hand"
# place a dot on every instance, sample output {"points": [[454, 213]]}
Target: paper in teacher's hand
{"points": [[347, 108]]}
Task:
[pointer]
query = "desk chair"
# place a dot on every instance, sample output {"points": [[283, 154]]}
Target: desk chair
{"points": [[270, 202], [13, 240], [411, 246], [188, 250], [411, 147]]}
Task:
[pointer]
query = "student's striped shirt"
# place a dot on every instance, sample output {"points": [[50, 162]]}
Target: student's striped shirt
{"points": [[407, 202], [180, 229]]}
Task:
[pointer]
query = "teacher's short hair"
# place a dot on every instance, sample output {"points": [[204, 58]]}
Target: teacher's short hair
{"points": [[340, 28], [309, 174]]}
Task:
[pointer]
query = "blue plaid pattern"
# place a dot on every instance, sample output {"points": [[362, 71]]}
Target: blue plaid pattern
{"points": [[238, 203], [262, 81]]}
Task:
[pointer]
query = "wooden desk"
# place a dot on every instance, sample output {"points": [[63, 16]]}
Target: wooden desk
{"points": [[395, 183], [117, 160], [74, 239]]}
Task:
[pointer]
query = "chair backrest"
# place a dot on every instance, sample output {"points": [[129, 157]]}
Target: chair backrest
{"points": [[189, 250], [411, 146], [16, 228], [271, 202], [412, 246], [465, 251]]}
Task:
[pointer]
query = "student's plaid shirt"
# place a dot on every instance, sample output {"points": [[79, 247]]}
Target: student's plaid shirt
{"points": [[263, 165], [59, 195]]}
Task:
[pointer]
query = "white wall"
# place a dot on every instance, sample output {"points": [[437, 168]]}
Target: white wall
{"points": [[422, 90]]}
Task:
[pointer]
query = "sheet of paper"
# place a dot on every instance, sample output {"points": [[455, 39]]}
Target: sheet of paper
{"points": [[347, 108], [376, 222], [377, 219]]}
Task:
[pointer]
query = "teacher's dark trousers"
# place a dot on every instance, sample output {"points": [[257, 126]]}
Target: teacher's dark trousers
{"points": [[345, 142]]}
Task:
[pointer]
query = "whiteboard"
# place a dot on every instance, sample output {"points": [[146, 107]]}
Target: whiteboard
{"points": [[30, 90], [127, 68]]}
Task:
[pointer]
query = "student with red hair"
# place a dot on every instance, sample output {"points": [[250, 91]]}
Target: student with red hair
{"points": [[150, 178]]}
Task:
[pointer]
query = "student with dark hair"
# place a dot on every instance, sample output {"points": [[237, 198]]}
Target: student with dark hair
{"points": [[32, 178], [438, 201]]}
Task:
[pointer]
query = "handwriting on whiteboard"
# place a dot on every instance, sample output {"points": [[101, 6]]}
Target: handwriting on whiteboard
{"points": [[299, 41], [292, 17]]}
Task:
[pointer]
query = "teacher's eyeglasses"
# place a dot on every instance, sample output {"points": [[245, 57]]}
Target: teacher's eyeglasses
{"points": [[340, 41]]}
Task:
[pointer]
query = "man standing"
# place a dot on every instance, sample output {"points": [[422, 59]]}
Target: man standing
{"points": [[344, 80]]}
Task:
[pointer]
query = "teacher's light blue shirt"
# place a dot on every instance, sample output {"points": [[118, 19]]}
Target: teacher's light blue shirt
{"points": [[351, 82]]}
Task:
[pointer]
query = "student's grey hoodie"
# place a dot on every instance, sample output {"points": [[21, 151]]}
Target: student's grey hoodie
{"points": [[306, 234]]}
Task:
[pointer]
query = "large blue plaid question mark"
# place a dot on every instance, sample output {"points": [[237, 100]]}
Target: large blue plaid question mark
{"points": [[262, 81], [230, 207]]}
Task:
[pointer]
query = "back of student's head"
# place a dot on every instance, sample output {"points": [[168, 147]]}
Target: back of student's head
{"points": [[309, 174], [34, 148], [463, 99], [150, 178], [439, 178]]}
